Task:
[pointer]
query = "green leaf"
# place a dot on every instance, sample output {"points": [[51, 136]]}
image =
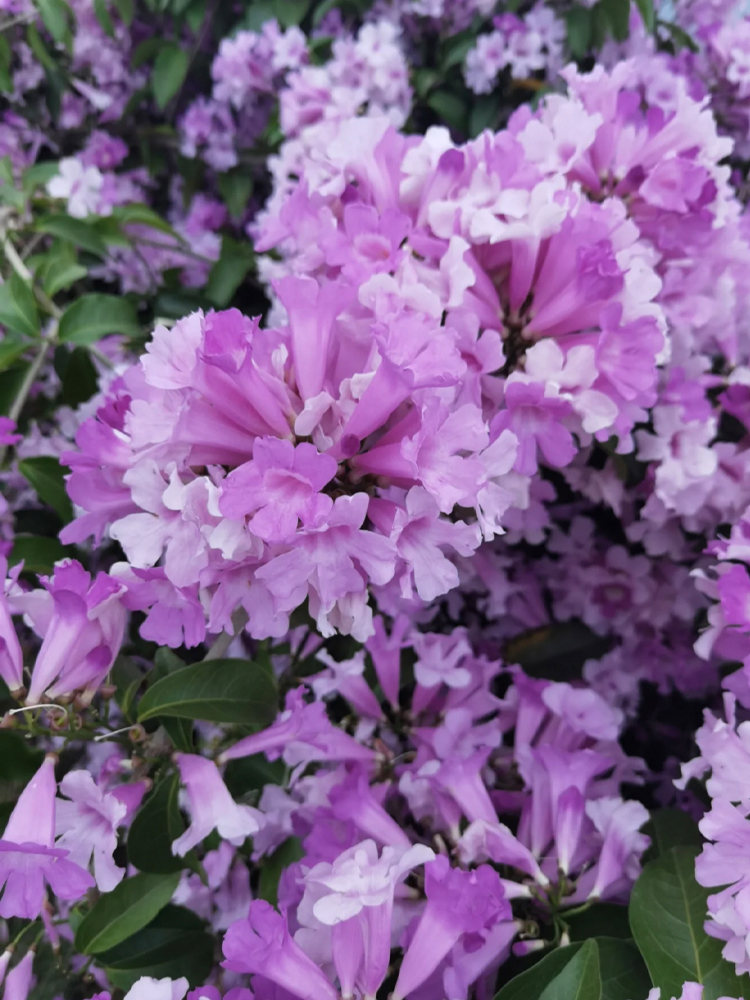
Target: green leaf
{"points": [[250, 774], [157, 823], [667, 912], [11, 348], [290, 12], [646, 9], [229, 271], [38, 553], [117, 915], [92, 317], [289, 852], [78, 375], [669, 828], [38, 174], [484, 114], [6, 57], [610, 919], [142, 215], [102, 16], [18, 309], [580, 979], [55, 14], [126, 10], [617, 14], [557, 652], [623, 972], [180, 732], [457, 48], [170, 69], [60, 273], [235, 188], [39, 49], [46, 475], [579, 24], [174, 944], [145, 51], [234, 691], [530, 985], [19, 762], [76, 231], [450, 107]]}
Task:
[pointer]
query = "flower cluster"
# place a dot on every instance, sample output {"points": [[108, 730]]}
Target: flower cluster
{"points": [[375, 464]]}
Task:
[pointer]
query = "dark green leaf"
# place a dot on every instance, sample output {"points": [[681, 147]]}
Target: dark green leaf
{"points": [[457, 48], [484, 114], [195, 15], [623, 972], [180, 732], [76, 231], [285, 855], [102, 16], [18, 309], [617, 14], [667, 912], [580, 979], [290, 12], [601, 918], [126, 10], [229, 271], [578, 20], [174, 944], [215, 691], [55, 15], [557, 652], [250, 774], [92, 317], [646, 9], [145, 51], [450, 107], [38, 554], [157, 823], [530, 985], [235, 188], [10, 382], [79, 379], [19, 761], [142, 215], [39, 49], [117, 915], [669, 828], [6, 81], [46, 475], [127, 678], [11, 348], [170, 69]]}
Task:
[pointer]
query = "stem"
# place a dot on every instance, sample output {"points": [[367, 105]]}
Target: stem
{"points": [[21, 19], [47, 342]]}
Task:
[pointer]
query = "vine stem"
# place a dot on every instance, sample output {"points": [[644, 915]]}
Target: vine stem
{"points": [[49, 339]]}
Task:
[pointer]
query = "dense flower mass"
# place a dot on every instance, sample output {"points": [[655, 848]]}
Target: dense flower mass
{"points": [[375, 500]]}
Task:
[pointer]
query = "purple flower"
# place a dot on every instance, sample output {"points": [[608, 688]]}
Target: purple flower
{"points": [[28, 858], [86, 825], [82, 624], [458, 903], [280, 486], [262, 945], [211, 806]]}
